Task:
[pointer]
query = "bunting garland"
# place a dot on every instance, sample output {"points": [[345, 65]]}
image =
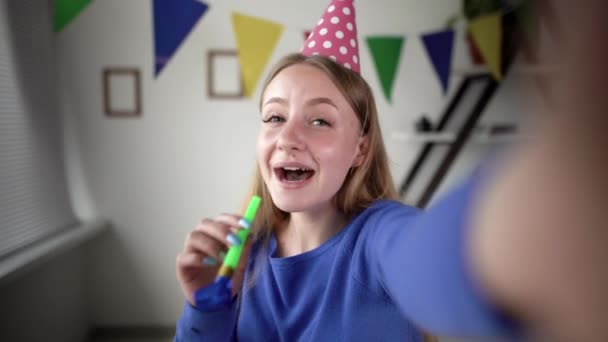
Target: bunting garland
{"points": [[66, 11], [173, 21], [386, 53], [474, 52], [487, 32], [439, 48], [306, 34], [255, 39]]}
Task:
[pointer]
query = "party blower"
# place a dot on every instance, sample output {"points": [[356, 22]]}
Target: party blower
{"points": [[219, 294]]}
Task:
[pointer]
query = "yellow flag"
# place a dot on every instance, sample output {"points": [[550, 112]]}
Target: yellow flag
{"points": [[487, 32], [256, 39]]}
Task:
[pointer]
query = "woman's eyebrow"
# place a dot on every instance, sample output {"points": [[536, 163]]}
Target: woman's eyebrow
{"points": [[319, 100], [278, 100], [311, 102]]}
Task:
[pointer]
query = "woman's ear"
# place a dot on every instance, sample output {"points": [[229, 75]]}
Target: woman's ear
{"points": [[362, 150]]}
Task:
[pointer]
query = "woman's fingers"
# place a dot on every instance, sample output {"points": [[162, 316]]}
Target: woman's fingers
{"points": [[188, 266], [204, 250], [189, 260], [211, 238], [222, 229], [205, 245], [230, 220], [192, 274]]}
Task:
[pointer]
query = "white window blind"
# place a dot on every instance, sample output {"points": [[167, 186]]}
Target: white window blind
{"points": [[34, 202]]}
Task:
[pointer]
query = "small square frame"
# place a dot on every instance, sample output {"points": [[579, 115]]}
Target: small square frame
{"points": [[108, 73], [211, 76]]}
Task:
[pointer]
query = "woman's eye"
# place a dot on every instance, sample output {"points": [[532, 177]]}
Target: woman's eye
{"points": [[273, 119], [320, 122]]}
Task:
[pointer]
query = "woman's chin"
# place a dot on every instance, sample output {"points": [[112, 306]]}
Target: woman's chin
{"points": [[298, 204], [290, 206]]}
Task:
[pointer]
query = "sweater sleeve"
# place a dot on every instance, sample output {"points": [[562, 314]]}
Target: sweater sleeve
{"points": [[196, 325], [422, 263]]}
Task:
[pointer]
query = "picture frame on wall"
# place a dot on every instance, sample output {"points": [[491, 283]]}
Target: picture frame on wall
{"points": [[224, 79], [122, 92]]}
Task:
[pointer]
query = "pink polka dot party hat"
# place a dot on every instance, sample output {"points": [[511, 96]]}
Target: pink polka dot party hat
{"points": [[335, 35]]}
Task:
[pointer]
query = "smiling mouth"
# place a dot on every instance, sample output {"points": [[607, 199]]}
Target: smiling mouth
{"points": [[292, 174]]}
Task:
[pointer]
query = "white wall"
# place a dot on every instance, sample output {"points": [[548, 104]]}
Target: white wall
{"points": [[46, 299], [188, 156], [48, 303]]}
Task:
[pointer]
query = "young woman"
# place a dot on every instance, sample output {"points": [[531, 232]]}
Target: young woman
{"points": [[331, 238], [335, 258]]}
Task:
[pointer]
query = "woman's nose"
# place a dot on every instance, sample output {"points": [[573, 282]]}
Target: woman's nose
{"points": [[291, 136]]}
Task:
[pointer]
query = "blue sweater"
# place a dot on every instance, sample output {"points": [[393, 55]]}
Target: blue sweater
{"points": [[391, 270]]}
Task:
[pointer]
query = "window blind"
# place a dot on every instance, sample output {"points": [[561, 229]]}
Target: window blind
{"points": [[34, 201]]}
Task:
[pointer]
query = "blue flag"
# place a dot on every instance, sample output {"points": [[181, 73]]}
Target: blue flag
{"points": [[439, 48], [173, 21]]}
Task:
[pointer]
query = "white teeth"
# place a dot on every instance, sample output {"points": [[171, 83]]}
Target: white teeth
{"points": [[296, 169]]}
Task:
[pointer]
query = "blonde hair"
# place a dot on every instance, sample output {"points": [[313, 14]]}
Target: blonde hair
{"points": [[364, 184]]}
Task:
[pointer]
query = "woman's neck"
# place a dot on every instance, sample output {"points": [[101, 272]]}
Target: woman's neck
{"points": [[305, 231]]}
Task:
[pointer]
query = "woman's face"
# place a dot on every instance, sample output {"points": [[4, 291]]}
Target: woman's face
{"points": [[309, 139]]}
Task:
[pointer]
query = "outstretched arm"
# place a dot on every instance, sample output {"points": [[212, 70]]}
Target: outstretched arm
{"points": [[523, 245], [539, 238]]}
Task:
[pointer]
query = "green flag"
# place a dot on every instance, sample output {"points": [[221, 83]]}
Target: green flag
{"points": [[386, 52], [66, 10]]}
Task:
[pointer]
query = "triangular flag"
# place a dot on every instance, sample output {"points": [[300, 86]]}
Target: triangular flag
{"points": [[439, 48], [386, 53], [173, 21], [256, 39], [487, 32], [474, 52], [307, 34], [66, 11]]}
